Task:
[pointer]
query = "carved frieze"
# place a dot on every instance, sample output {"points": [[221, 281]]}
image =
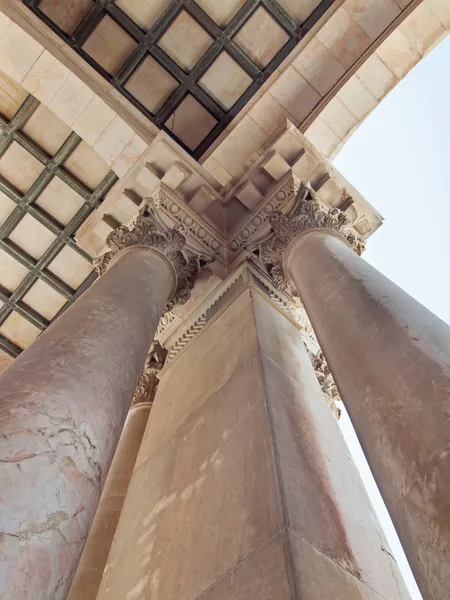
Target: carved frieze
{"points": [[148, 382], [307, 213], [248, 274], [204, 235], [150, 230]]}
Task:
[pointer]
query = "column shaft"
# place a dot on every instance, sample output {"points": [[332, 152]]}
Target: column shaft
{"points": [[390, 358], [243, 487], [63, 404], [93, 560]]}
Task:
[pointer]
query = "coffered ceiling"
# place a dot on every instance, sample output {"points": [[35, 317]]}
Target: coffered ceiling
{"points": [[50, 182], [188, 66]]}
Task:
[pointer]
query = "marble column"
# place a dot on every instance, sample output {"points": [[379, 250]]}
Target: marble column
{"points": [[63, 404], [244, 487], [390, 358], [93, 560]]}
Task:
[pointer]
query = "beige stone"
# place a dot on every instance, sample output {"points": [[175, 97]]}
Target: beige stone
{"points": [[295, 94], [185, 41], [249, 195], [19, 330], [44, 299], [373, 16], [304, 166], [18, 52], [216, 170], [67, 15], [357, 98], [70, 267], [87, 165], [322, 137], [191, 122], [5, 360], [12, 96], [225, 80], [5, 22], [175, 175], [151, 84], [45, 77], [251, 456], [299, 11], [32, 236], [47, 130], [441, 9], [275, 166], [345, 40], [93, 121], [19, 167], [398, 54], [221, 12], [60, 201], [109, 45], [338, 117], [269, 114], [376, 77], [143, 13], [12, 272], [113, 140], [71, 99], [241, 143], [6, 207], [129, 155], [101, 534], [261, 37], [319, 67], [422, 28]]}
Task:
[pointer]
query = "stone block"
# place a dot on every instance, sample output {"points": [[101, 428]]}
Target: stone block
{"points": [[275, 166], [175, 175]]}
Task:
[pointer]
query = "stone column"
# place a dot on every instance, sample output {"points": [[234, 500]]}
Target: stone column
{"points": [[390, 358], [64, 401], [243, 487], [93, 560]]}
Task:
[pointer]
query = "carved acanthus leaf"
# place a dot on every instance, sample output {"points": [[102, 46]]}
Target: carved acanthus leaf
{"points": [[307, 213], [150, 230], [148, 382], [326, 382]]}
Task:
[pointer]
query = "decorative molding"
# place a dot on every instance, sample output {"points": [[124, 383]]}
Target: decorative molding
{"points": [[204, 235], [164, 323], [149, 230], [235, 287], [307, 213], [259, 221], [285, 303], [248, 274], [326, 382], [148, 382]]}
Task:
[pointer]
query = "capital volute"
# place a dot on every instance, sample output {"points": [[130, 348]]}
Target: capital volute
{"points": [[307, 214], [150, 231]]}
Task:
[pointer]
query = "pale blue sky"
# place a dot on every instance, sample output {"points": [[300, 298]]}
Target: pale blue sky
{"points": [[399, 160]]}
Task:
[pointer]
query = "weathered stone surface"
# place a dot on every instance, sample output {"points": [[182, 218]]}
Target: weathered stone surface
{"points": [[390, 357], [62, 407], [232, 432], [93, 560]]}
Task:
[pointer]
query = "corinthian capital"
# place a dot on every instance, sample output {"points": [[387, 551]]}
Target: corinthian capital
{"points": [[148, 382], [307, 213], [326, 382], [149, 230]]}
